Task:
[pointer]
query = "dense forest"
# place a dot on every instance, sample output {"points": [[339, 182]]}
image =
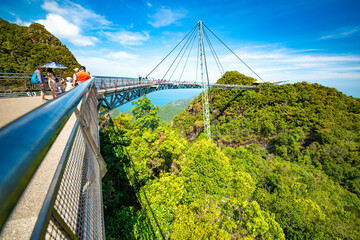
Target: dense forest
{"points": [[24, 48], [287, 167]]}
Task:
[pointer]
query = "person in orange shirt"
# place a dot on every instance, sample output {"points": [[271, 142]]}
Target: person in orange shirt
{"points": [[82, 76]]}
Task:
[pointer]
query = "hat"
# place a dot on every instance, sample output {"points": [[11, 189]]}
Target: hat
{"points": [[82, 68], [38, 67], [69, 79], [76, 69]]}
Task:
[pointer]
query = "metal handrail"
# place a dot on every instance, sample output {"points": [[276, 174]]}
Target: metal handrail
{"points": [[26, 141]]}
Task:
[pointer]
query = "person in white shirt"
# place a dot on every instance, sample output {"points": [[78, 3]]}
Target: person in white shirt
{"points": [[69, 84]]}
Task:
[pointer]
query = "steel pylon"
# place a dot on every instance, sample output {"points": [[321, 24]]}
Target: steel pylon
{"points": [[204, 84]]}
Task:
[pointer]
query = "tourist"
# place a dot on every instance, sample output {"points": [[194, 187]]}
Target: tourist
{"points": [[41, 79], [50, 74], [74, 82], [82, 76], [52, 85], [60, 86], [69, 84]]}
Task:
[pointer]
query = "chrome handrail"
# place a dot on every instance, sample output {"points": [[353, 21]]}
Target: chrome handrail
{"points": [[26, 141]]}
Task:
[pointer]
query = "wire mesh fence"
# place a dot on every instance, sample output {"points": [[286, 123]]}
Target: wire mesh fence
{"points": [[76, 211]]}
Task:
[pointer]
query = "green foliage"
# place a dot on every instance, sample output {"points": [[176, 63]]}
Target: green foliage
{"points": [[145, 114], [24, 48], [234, 77], [306, 123], [290, 179], [165, 155]]}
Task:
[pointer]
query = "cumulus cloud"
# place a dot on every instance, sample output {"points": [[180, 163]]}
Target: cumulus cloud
{"points": [[166, 16], [62, 28], [67, 21], [127, 38], [75, 13]]}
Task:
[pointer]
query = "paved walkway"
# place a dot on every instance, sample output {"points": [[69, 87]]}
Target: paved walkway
{"points": [[21, 222], [12, 108]]}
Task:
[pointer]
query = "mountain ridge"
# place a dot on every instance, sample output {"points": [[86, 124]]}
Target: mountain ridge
{"points": [[24, 48]]}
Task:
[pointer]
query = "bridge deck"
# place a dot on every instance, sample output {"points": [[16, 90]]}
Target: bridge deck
{"points": [[12, 108]]}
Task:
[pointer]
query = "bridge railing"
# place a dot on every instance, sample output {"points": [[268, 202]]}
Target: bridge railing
{"points": [[72, 207], [117, 82], [20, 85]]}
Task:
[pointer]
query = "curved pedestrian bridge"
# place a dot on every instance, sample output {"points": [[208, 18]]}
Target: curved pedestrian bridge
{"points": [[51, 167]]}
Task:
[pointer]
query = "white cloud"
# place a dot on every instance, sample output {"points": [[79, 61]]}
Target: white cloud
{"points": [[75, 13], [149, 4], [67, 21], [342, 33], [64, 29], [122, 55], [276, 63], [128, 38], [18, 21], [165, 16]]}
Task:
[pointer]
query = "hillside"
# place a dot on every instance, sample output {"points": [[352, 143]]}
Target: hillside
{"points": [[24, 48], [306, 123], [166, 112], [287, 168]]}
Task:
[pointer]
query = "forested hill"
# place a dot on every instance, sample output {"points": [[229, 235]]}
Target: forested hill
{"points": [[287, 168], [168, 111], [24, 48], [306, 123]]}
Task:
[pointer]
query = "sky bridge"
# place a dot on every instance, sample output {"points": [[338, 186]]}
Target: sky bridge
{"points": [[51, 166]]}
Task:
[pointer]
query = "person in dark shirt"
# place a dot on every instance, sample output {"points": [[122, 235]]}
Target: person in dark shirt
{"points": [[41, 79]]}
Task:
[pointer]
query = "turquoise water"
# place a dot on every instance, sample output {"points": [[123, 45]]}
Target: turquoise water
{"points": [[165, 96]]}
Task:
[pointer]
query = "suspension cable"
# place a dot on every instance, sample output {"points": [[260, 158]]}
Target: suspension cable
{"points": [[217, 61], [191, 39], [173, 49], [234, 53], [177, 56], [197, 62], [188, 57]]}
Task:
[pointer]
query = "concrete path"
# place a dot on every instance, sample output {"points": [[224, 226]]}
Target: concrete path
{"points": [[13, 108], [21, 222]]}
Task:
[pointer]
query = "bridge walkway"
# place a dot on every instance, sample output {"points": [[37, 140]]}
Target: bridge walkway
{"points": [[13, 108]]}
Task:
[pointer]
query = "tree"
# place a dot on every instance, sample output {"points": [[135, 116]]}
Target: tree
{"points": [[145, 114]]}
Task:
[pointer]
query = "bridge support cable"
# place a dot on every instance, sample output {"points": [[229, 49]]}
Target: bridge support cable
{"points": [[172, 49], [234, 53], [186, 43], [206, 88], [217, 61], [187, 57]]}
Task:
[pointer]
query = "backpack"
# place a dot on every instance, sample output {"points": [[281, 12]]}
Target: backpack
{"points": [[34, 78]]}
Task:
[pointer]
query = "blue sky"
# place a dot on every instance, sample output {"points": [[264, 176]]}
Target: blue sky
{"points": [[313, 40]]}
